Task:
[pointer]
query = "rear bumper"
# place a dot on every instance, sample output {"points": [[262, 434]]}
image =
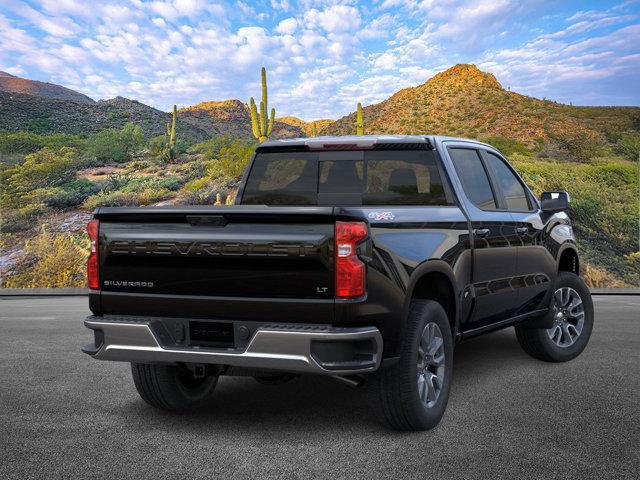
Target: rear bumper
{"points": [[284, 347]]}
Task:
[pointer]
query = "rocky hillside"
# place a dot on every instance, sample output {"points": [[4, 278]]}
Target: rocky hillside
{"points": [[304, 126], [20, 111], [40, 111], [464, 101], [12, 84], [231, 117]]}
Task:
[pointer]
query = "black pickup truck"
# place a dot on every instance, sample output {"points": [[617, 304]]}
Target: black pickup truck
{"points": [[362, 258]]}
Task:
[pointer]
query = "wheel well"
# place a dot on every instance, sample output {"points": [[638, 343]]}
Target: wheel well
{"points": [[569, 262], [436, 286]]}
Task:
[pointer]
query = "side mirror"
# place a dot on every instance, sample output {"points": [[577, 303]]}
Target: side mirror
{"points": [[554, 201]]}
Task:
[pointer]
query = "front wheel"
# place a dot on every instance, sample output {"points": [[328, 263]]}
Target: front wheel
{"points": [[413, 394], [173, 387], [572, 311]]}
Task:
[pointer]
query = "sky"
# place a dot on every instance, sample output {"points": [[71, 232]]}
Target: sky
{"points": [[322, 57]]}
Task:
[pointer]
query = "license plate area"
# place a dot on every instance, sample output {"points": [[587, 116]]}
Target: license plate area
{"points": [[211, 334]]}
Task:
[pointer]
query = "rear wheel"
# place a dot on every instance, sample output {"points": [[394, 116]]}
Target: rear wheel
{"points": [[173, 387], [413, 394], [572, 311]]}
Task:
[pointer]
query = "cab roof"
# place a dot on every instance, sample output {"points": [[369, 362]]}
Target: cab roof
{"points": [[358, 141]]}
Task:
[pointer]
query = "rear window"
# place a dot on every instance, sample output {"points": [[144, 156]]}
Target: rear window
{"points": [[345, 178]]}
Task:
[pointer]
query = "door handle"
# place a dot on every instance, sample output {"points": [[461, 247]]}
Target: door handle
{"points": [[481, 232], [522, 230]]}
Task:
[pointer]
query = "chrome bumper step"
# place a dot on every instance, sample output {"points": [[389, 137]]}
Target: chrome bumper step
{"points": [[293, 348]]}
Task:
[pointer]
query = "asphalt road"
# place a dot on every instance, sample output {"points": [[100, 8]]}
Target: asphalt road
{"points": [[64, 415]]}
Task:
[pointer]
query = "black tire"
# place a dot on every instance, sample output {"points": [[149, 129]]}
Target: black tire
{"points": [[172, 388], [394, 391], [538, 342]]}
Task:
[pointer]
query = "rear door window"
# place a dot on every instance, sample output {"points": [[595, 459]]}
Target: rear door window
{"points": [[473, 177]]}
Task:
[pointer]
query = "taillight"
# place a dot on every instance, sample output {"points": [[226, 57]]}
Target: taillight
{"points": [[350, 271], [92, 263]]}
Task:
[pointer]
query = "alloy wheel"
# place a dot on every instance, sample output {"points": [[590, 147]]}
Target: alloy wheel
{"points": [[568, 315], [431, 364]]}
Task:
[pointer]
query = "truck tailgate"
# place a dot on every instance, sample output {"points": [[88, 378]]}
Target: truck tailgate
{"points": [[237, 251]]}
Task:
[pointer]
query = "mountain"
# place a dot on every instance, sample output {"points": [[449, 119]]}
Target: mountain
{"points": [[19, 111], [464, 101], [16, 85], [304, 126], [231, 117], [47, 108]]}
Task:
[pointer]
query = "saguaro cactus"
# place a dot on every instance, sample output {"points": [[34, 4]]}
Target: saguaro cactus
{"points": [[261, 125], [171, 135], [314, 130], [359, 125]]}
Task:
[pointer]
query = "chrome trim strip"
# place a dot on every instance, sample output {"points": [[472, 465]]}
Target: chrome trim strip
{"points": [[269, 349]]}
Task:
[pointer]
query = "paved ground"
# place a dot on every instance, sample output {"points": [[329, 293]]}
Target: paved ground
{"points": [[63, 415]]}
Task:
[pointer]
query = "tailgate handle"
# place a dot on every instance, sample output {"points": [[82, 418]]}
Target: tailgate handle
{"points": [[207, 220]]}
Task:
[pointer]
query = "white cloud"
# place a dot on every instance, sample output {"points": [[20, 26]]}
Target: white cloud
{"points": [[287, 26], [56, 26], [335, 19], [280, 5]]}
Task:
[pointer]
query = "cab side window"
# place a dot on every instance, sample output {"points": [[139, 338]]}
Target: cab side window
{"points": [[474, 178], [514, 193]]}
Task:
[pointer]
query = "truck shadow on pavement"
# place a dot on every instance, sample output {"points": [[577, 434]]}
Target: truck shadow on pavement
{"points": [[322, 403]]}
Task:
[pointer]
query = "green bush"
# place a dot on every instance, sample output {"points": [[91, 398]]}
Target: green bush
{"points": [[507, 146], [44, 169], [68, 195], [126, 199], [53, 260], [116, 145], [629, 146], [28, 142], [581, 146], [158, 145], [24, 218]]}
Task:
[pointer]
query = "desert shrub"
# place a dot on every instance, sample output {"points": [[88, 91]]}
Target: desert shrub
{"points": [[68, 195], [116, 145], [204, 191], [116, 182], [44, 169], [127, 198], [629, 146], [19, 219], [233, 154], [233, 160], [171, 183], [599, 278], [40, 125], [507, 146], [206, 195], [581, 146], [28, 142], [52, 261], [157, 145]]}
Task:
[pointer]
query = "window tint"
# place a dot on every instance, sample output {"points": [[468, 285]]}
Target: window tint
{"points": [[401, 177], [511, 187], [282, 179], [473, 177]]}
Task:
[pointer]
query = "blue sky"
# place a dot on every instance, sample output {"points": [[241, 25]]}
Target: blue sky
{"points": [[322, 56]]}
